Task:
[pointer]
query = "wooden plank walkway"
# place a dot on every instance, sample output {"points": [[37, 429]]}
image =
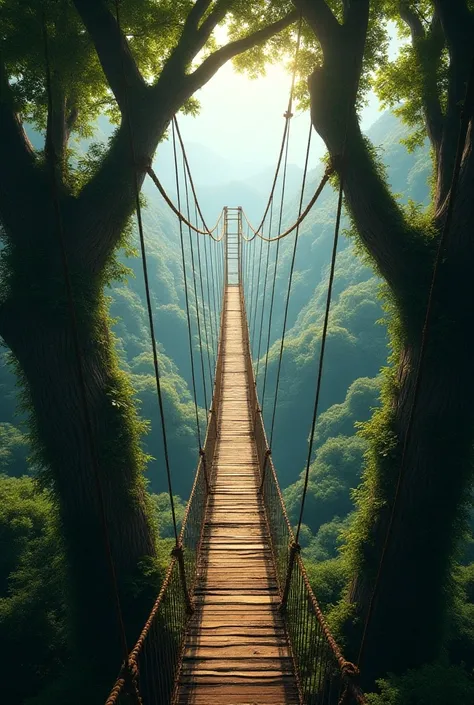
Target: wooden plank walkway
{"points": [[236, 651]]}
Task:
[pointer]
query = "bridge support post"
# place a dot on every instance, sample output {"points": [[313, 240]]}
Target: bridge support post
{"points": [[179, 554], [294, 549]]}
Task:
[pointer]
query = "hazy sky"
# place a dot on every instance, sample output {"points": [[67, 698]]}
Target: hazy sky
{"points": [[243, 119]]}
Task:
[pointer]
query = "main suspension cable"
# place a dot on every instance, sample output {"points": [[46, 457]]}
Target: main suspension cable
{"points": [[177, 210], [325, 178]]}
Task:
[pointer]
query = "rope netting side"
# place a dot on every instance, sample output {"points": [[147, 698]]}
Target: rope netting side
{"points": [[324, 675], [149, 674], [154, 662]]}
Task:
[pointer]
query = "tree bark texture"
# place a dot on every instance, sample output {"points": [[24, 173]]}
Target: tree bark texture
{"points": [[408, 621], [36, 324]]}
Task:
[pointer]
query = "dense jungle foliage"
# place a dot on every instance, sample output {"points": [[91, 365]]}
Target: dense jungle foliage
{"points": [[69, 67], [33, 593]]}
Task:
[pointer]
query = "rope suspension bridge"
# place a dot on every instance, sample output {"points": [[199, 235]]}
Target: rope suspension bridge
{"points": [[236, 620]]}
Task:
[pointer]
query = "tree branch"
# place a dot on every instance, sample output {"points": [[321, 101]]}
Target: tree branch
{"points": [[427, 48], [112, 48], [333, 90], [321, 20], [107, 200], [19, 178], [193, 38], [354, 33], [410, 17], [457, 24], [209, 66]]}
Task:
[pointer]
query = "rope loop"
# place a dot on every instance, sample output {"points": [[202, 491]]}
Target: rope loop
{"points": [[349, 669], [294, 548], [177, 550], [130, 675]]}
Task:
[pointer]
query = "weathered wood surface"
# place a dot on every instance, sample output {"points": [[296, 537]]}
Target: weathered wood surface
{"points": [[236, 651]]}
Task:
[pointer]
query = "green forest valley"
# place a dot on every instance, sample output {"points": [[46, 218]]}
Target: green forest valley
{"points": [[112, 296]]}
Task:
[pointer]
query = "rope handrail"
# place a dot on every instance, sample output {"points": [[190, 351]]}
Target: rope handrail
{"points": [[191, 180], [272, 489], [180, 215], [135, 653], [120, 682], [327, 174]]}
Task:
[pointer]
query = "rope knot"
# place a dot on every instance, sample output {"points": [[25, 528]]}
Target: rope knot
{"points": [[349, 669], [329, 169], [177, 550], [295, 547], [268, 452], [287, 115], [130, 670], [130, 675]]}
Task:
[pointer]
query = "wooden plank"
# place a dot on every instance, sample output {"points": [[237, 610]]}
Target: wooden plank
{"points": [[236, 650]]}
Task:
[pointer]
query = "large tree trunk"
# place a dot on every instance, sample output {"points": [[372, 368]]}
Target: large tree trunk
{"points": [[408, 622], [36, 324]]}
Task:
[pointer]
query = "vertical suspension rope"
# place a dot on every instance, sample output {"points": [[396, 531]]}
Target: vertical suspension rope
{"points": [[204, 315], [193, 268], [211, 321], [290, 280], [272, 299], [52, 161], [294, 548], [323, 347], [252, 292], [264, 296], [215, 293], [186, 295], [252, 334], [249, 257]]}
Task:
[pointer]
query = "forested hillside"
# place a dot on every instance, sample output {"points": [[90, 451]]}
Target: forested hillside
{"points": [[357, 344], [356, 351], [357, 347]]}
